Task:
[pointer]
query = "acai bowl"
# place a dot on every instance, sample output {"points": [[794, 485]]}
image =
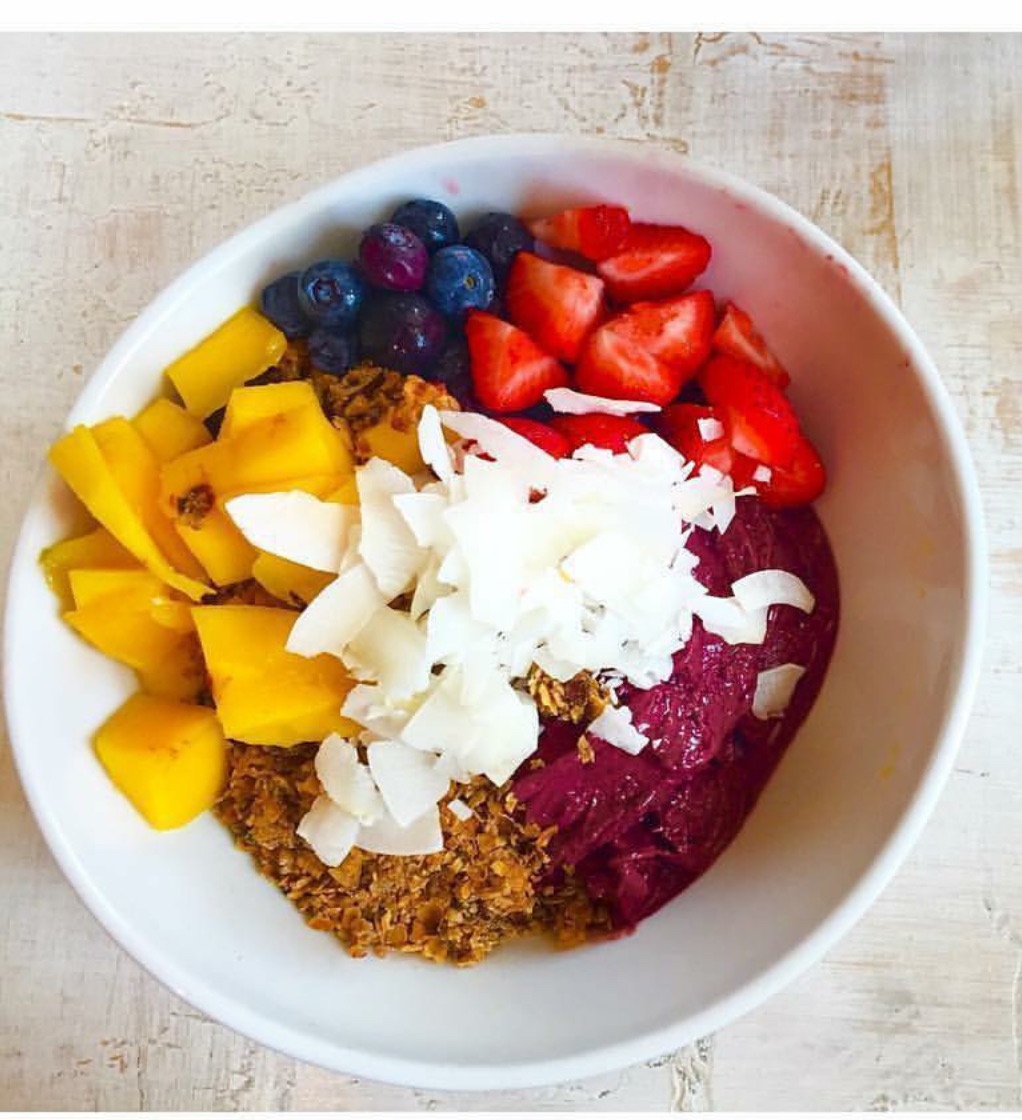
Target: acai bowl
{"points": [[832, 821]]}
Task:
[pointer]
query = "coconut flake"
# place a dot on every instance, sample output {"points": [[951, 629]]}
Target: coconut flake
{"points": [[730, 620], [346, 780], [329, 831], [459, 809], [432, 445], [391, 650], [407, 779], [762, 473], [337, 614], [295, 526], [774, 690], [614, 726], [773, 586], [387, 546], [580, 404], [386, 837], [710, 428]]}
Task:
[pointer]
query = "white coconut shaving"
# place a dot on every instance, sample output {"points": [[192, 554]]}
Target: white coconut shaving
{"points": [[774, 690], [295, 526], [614, 726], [573, 403]]}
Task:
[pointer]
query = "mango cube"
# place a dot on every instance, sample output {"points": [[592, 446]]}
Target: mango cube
{"points": [[169, 430], [252, 403], [238, 350], [385, 441], [287, 581], [169, 759], [96, 549]]}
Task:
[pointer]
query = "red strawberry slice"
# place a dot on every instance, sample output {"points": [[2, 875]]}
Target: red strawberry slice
{"points": [[509, 371], [558, 306], [737, 336], [614, 366], [759, 420], [654, 262], [678, 331], [679, 425], [802, 481], [542, 435], [599, 429], [596, 232]]}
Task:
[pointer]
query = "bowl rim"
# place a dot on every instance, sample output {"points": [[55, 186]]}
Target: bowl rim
{"points": [[351, 1060]]}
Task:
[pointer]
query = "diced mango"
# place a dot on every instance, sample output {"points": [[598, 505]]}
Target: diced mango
{"points": [[131, 590], [346, 493], [252, 403], [387, 442], [238, 350], [289, 582], [97, 549], [169, 430], [264, 694], [218, 545], [178, 675], [79, 460], [169, 759]]}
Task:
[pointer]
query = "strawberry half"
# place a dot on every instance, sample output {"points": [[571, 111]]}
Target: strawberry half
{"points": [[614, 366], [738, 337], [542, 435], [679, 426], [558, 306], [678, 331], [759, 420], [509, 371], [654, 262], [596, 232], [802, 481], [599, 429]]}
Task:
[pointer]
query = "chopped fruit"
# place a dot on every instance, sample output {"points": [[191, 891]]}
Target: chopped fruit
{"points": [[168, 759], [654, 262], [97, 549], [289, 582], [600, 430], [800, 482], [677, 331], [758, 417], [738, 337], [614, 366], [169, 429], [242, 348], [509, 371], [555, 305], [679, 425], [542, 435], [596, 232]]}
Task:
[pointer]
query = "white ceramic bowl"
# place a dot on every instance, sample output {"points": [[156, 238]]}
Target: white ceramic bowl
{"points": [[850, 797]]}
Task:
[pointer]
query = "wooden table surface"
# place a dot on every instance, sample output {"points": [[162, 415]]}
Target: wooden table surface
{"points": [[125, 158]]}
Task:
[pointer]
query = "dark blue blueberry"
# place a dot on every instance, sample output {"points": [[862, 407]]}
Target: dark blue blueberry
{"points": [[454, 370], [431, 222], [281, 305], [402, 331], [393, 258], [500, 238], [459, 279], [331, 292], [332, 351]]}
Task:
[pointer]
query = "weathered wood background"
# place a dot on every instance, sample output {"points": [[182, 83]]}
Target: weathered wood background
{"points": [[126, 158]]}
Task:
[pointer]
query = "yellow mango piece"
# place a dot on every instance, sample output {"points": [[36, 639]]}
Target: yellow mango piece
{"points": [[131, 590], [218, 546], [238, 350], [252, 403], [400, 448], [77, 457], [169, 430], [130, 636], [137, 471], [169, 759], [346, 493], [179, 674], [291, 583], [264, 694], [97, 549]]}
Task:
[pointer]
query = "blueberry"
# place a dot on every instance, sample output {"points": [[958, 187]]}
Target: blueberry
{"points": [[331, 292], [459, 279], [453, 369], [500, 238], [281, 305], [332, 351], [393, 258], [403, 332], [431, 222]]}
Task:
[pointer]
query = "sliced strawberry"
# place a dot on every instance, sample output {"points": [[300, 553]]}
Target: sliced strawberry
{"points": [[596, 232], [737, 336], [679, 425], [802, 481], [542, 435], [509, 371], [599, 429], [558, 306], [759, 420], [654, 262], [614, 366], [678, 331]]}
